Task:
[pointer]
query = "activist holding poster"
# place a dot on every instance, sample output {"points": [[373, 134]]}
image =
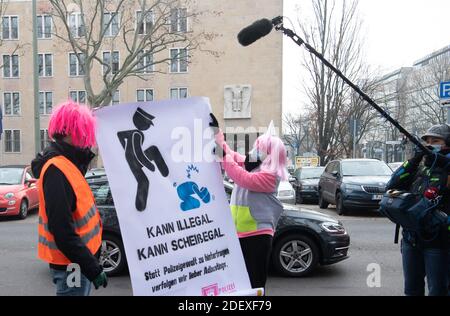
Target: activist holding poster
{"points": [[177, 231], [70, 228], [254, 205]]}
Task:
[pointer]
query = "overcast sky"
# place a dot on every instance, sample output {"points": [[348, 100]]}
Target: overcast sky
{"points": [[397, 33]]}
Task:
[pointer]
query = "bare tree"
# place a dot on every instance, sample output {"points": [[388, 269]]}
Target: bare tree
{"points": [[297, 133], [334, 32], [147, 29], [357, 109], [292, 132], [393, 94]]}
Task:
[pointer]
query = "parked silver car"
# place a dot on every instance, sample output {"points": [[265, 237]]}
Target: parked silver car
{"points": [[286, 193], [353, 184], [395, 165]]}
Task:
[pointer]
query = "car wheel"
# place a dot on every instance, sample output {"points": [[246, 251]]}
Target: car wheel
{"points": [[340, 208], [112, 257], [295, 256], [23, 211], [322, 203]]}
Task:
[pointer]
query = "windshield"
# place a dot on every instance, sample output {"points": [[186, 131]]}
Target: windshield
{"points": [[313, 173], [10, 176], [365, 168]]}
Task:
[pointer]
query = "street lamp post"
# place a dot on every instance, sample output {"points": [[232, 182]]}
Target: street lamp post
{"points": [[354, 137], [37, 128], [299, 137]]}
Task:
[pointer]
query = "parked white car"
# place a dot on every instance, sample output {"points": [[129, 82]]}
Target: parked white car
{"points": [[395, 165], [286, 193]]}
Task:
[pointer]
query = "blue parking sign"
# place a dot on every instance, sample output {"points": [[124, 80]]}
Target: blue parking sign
{"points": [[445, 90]]}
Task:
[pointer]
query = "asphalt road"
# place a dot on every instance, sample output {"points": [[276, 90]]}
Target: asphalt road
{"points": [[21, 273], [372, 242]]}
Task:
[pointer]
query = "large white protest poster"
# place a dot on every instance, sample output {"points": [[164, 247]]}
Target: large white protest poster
{"points": [[174, 216]]}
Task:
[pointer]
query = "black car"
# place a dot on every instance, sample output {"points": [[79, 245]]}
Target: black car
{"points": [[353, 184], [304, 239], [96, 172], [306, 183]]}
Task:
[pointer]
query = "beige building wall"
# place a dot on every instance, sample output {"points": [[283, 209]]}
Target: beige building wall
{"points": [[259, 65]]}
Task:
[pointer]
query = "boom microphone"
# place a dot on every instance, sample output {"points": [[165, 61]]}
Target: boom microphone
{"points": [[254, 32]]}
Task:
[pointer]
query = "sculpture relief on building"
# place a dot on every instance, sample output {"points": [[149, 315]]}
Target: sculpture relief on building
{"points": [[238, 102]]}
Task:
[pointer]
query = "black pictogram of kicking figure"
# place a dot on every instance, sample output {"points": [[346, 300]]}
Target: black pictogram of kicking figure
{"points": [[132, 141]]}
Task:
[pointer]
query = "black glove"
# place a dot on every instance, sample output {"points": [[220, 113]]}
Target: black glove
{"points": [[214, 124], [419, 153], [100, 280], [437, 161]]}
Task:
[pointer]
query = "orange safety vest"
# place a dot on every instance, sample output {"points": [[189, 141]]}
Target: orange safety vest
{"points": [[86, 217]]}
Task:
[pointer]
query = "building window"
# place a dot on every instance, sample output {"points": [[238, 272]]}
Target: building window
{"points": [[178, 20], [11, 66], [111, 23], [45, 103], [45, 140], [11, 103], [10, 28], [115, 98], [240, 142], [111, 62], [76, 24], [76, 65], [145, 64], [45, 65], [178, 60], [144, 95], [78, 96], [144, 22], [12, 141], [178, 93], [44, 26]]}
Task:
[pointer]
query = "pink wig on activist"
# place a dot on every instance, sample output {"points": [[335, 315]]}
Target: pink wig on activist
{"points": [[276, 159], [75, 120]]}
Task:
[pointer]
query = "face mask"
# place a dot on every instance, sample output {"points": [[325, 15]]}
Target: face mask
{"points": [[250, 164], [436, 148], [85, 156], [256, 155]]}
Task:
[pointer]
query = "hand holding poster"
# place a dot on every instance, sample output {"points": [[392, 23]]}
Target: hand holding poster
{"points": [[168, 191]]}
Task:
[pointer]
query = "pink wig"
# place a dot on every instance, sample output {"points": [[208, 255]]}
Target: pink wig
{"points": [[276, 159], [75, 120]]}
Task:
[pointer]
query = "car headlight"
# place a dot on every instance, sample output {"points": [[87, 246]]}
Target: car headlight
{"points": [[333, 228], [353, 187], [308, 187], [286, 193], [9, 196]]}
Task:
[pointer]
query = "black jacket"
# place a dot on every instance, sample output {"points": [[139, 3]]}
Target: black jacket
{"points": [[415, 176], [60, 202]]}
